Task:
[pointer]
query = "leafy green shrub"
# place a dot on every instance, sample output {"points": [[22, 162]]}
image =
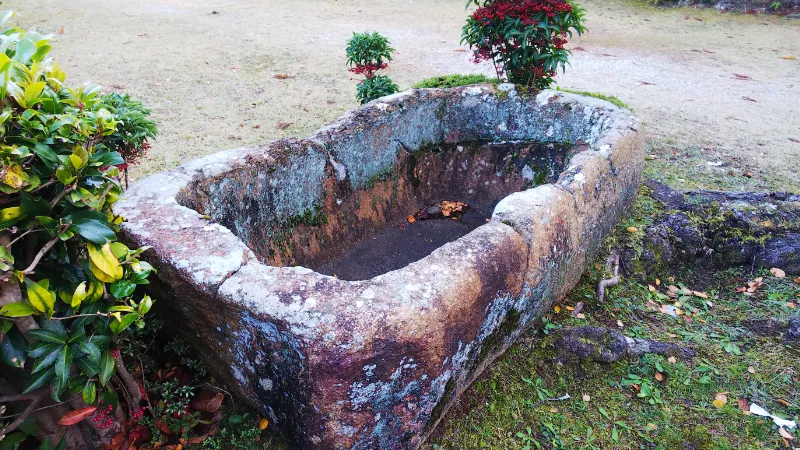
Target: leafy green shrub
{"points": [[523, 38], [449, 81], [69, 288], [375, 87], [368, 53]]}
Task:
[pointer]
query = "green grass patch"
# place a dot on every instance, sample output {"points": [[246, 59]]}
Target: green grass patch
{"points": [[449, 81], [609, 98]]}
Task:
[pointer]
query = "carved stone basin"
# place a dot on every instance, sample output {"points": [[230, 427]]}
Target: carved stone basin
{"points": [[294, 268]]}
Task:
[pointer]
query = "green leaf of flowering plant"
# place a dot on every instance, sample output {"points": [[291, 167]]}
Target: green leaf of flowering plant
{"points": [[39, 379], [17, 309], [106, 367]]}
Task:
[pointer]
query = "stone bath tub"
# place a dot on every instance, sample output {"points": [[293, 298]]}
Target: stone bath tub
{"points": [[295, 271]]}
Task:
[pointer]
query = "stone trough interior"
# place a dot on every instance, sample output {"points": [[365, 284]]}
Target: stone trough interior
{"points": [[357, 234], [246, 242]]}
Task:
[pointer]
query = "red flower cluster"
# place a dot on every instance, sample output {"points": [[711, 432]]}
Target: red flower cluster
{"points": [[367, 69], [523, 10]]}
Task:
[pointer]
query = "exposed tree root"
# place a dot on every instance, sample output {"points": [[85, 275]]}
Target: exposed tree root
{"points": [[606, 345], [613, 265]]}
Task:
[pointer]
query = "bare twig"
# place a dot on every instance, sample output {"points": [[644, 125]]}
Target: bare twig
{"points": [[23, 235], [24, 415], [19, 398], [613, 264], [105, 192], [41, 254], [98, 314], [42, 186], [61, 195]]}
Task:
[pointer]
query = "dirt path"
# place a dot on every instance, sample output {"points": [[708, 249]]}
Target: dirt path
{"points": [[206, 68]]}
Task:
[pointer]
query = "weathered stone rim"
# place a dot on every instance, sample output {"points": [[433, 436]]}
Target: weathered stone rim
{"points": [[409, 323]]}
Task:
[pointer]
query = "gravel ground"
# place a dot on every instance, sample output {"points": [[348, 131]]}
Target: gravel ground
{"points": [[706, 83]]}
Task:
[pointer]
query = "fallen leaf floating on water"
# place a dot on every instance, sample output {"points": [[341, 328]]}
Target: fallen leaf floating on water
{"points": [[451, 207], [777, 273]]}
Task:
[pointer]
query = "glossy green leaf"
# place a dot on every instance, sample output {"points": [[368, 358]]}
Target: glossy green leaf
{"points": [[17, 309], [118, 327], [40, 297], [122, 289], [38, 380], [12, 348], [62, 365], [106, 367], [45, 361], [89, 392], [45, 335]]}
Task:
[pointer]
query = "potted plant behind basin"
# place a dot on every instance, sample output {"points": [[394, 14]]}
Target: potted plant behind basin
{"points": [[523, 39], [368, 53], [68, 288]]}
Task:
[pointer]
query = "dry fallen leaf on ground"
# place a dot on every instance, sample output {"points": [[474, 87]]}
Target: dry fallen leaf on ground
{"points": [[789, 57], [283, 125], [659, 376], [744, 405], [751, 369], [777, 273], [720, 400], [785, 434], [672, 360], [411, 219], [586, 397]]}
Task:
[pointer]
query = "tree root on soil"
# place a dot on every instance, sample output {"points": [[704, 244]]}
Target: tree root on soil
{"points": [[606, 345], [613, 265]]}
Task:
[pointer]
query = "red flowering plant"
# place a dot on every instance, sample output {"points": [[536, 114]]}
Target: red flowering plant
{"points": [[523, 38], [368, 53]]}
